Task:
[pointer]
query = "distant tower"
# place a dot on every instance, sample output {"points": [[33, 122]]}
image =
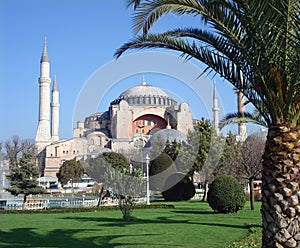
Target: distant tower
{"points": [[143, 81], [215, 110], [55, 111], [43, 137], [242, 129]]}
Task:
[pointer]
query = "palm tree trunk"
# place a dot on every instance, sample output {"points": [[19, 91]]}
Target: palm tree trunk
{"points": [[280, 187]]}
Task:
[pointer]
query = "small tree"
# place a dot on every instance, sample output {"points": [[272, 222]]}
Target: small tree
{"points": [[116, 160], [128, 187], [23, 178], [251, 163], [70, 170], [160, 169], [226, 195], [231, 158], [209, 147], [179, 188], [115, 174]]}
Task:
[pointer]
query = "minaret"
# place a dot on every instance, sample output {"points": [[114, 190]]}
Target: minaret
{"points": [[242, 129], [43, 137], [215, 110], [55, 111]]}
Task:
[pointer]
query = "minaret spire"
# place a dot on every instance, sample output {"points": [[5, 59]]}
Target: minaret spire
{"points": [[45, 57], [55, 111], [215, 109], [54, 87], [43, 137]]}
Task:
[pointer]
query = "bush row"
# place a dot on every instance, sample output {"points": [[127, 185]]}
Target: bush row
{"points": [[89, 209]]}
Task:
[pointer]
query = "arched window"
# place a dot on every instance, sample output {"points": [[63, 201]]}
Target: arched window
{"points": [[98, 141]]}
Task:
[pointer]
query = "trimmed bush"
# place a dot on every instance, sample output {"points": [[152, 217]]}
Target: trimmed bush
{"points": [[159, 171], [226, 195], [183, 190]]}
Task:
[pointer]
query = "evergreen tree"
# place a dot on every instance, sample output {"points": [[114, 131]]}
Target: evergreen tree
{"points": [[160, 169], [23, 178], [209, 147], [116, 160]]}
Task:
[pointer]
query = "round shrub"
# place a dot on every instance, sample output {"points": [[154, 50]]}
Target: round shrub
{"points": [[158, 171], [179, 187], [226, 195]]}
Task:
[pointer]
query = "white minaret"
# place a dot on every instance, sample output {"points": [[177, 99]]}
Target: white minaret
{"points": [[43, 137], [55, 111], [242, 129], [215, 110]]}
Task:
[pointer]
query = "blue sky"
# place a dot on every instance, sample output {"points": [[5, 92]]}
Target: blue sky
{"points": [[82, 37]]}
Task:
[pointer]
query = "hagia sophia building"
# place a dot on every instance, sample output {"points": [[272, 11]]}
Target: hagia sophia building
{"points": [[127, 125]]}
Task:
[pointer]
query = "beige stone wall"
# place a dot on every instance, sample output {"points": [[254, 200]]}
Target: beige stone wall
{"points": [[96, 140], [184, 119], [122, 122], [61, 151]]}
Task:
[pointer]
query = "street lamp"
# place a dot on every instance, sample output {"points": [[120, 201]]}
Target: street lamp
{"points": [[147, 180]]}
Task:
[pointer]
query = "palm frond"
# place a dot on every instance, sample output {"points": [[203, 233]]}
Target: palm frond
{"points": [[258, 38], [134, 3], [233, 118]]}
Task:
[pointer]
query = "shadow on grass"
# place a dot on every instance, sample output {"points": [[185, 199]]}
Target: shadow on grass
{"points": [[193, 212], [93, 237], [117, 222], [58, 238]]}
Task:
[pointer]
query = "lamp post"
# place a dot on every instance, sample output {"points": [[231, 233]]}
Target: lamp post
{"points": [[140, 145], [147, 180]]}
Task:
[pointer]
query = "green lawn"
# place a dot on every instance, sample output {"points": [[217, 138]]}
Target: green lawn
{"points": [[189, 224]]}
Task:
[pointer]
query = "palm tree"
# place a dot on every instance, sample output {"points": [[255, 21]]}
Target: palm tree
{"points": [[255, 46]]}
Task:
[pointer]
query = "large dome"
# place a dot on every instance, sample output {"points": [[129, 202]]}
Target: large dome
{"points": [[144, 90], [145, 94]]}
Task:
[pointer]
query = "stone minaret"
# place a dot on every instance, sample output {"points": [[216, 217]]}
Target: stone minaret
{"points": [[43, 137], [242, 129], [215, 110], [55, 111]]}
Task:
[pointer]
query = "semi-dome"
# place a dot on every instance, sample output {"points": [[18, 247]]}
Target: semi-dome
{"points": [[166, 135], [145, 94]]}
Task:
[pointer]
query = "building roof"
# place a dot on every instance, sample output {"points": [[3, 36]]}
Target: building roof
{"points": [[145, 94], [143, 90]]}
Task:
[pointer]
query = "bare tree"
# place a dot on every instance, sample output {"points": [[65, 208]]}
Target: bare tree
{"points": [[250, 165], [16, 147]]}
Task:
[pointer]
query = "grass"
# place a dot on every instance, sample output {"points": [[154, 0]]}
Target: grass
{"points": [[189, 224]]}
